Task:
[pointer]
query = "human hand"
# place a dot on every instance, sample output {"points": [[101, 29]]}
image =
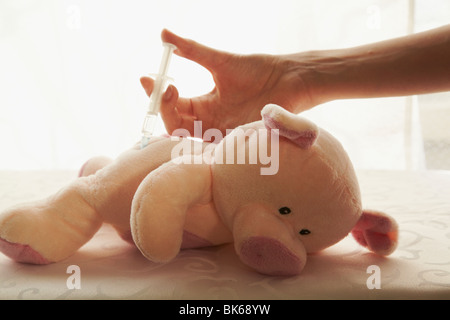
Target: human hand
{"points": [[244, 84]]}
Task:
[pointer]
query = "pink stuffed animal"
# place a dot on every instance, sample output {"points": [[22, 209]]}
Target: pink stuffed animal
{"points": [[163, 201]]}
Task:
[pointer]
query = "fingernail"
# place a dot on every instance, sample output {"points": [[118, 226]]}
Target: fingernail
{"points": [[168, 94]]}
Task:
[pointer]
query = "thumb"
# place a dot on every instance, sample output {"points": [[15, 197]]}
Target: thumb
{"points": [[147, 83], [205, 56]]}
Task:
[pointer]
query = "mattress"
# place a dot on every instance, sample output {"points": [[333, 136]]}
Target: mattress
{"points": [[109, 268]]}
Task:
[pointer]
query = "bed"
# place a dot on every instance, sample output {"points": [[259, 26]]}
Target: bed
{"points": [[109, 268]]}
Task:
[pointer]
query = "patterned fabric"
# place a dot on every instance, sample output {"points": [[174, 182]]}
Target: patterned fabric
{"points": [[109, 268]]}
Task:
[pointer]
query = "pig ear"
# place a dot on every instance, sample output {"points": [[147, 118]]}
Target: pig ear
{"points": [[376, 231], [293, 127]]}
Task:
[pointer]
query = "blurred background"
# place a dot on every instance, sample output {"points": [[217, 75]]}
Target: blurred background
{"points": [[70, 69]]}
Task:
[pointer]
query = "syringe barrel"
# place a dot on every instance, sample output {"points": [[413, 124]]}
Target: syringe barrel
{"points": [[161, 79], [149, 125]]}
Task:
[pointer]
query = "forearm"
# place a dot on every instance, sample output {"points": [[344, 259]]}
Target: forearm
{"points": [[415, 64]]}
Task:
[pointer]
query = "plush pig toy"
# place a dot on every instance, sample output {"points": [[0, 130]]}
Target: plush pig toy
{"points": [[179, 193]]}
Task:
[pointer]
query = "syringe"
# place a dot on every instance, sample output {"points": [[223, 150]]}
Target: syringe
{"points": [[155, 99]]}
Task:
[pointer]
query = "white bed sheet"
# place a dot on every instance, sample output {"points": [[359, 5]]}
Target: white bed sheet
{"points": [[113, 269]]}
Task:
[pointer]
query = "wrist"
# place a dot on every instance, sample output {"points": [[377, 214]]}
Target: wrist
{"points": [[316, 75]]}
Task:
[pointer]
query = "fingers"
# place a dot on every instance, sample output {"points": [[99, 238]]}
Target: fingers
{"points": [[168, 110], [176, 112], [207, 57], [147, 83]]}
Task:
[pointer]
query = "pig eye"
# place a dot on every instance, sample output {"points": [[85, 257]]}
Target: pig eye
{"points": [[304, 232], [284, 210]]}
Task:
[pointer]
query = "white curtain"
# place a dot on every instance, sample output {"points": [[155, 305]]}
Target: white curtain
{"points": [[69, 80]]}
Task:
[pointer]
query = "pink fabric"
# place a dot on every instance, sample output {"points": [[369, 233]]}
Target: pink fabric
{"points": [[81, 171], [269, 256], [191, 241], [21, 253], [374, 222], [304, 139], [376, 232]]}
